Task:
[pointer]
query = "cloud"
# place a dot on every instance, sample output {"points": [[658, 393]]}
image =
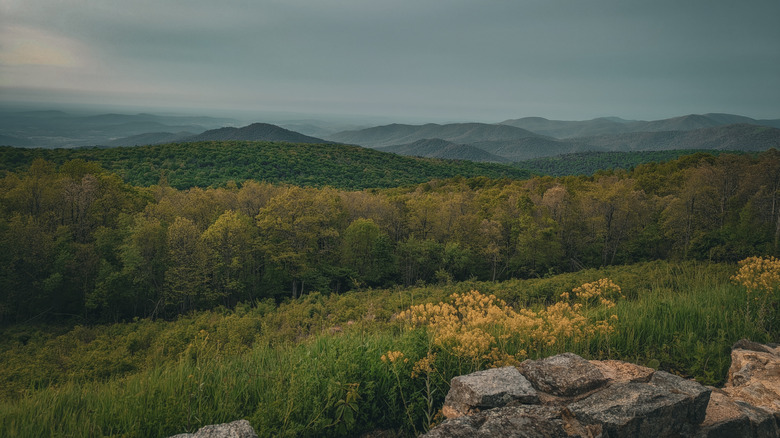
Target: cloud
{"points": [[22, 46]]}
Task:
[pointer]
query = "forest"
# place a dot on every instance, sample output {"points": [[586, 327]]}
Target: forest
{"points": [[215, 163], [79, 242]]}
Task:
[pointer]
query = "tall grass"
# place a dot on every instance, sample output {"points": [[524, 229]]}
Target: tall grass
{"points": [[312, 367]]}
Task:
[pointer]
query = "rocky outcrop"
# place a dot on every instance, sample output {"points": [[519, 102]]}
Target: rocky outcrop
{"points": [[488, 389], [236, 429], [568, 396]]}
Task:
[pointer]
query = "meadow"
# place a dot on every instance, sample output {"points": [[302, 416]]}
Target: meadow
{"points": [[371, 359]]}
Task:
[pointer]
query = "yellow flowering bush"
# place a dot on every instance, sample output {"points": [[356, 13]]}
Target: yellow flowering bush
{"points": [[759, 275], [483, 328]]}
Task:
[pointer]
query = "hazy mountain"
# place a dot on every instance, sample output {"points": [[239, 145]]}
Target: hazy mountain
{"points": [[527, 148], [461, 133], [614, 125], [255, 132], [61, 129], [741, 137], [438, 148], [9, 140], [566, 129], [150, 138]]}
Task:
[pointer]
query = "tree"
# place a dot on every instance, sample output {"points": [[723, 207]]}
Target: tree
{"points": [[185, 281], [231, 262], [298, 232], [366, 250]]}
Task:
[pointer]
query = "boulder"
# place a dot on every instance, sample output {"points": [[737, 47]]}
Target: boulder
{"points": [[696, 395], [754, 375], [563, 375], [638, 409], [523, 421], [236, 429], [728, 418], [623, 372], [576, 397], [487, 389]]}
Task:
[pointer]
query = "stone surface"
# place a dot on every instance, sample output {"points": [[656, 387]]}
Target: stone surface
{"points": [[697, 395], [615, 399], [728, 418], [524, 421], [563, 375], [754, 377], [636, 410], [236, 429], [623, 372], [487, 389]]}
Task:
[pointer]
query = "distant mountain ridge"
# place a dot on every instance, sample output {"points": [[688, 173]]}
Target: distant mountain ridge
{"points": [[461, 133], [438, 148], [612, 125], [255, 132]]}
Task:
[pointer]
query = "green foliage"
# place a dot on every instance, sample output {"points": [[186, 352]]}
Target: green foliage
{"points": [[589, 163], [212, 164], [313, 366]]}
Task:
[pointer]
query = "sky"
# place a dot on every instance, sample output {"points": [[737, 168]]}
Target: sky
{"points": [[425, 60]]}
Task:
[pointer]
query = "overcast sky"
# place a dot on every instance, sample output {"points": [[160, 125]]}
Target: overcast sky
{"points": [[480, 60]]}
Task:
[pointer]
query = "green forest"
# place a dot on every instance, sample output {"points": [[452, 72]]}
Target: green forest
{"points": [[212, 164], [143, 295], [81, 242]]}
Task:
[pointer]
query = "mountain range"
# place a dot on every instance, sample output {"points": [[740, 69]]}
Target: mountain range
{"points": [[508, 141], [535, 137]]}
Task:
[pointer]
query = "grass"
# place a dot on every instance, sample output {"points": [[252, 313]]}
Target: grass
{"points": [[312, 367]]}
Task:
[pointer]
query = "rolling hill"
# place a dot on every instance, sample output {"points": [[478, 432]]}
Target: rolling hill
{"points": [[460, 133], [214, 163], [614, 125], [438, 148], [255, 132]]}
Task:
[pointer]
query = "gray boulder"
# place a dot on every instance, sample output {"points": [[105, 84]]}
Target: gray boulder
{"points": [[487, 389], [236, 429], [524, 421], [638, 409], [563, 375], [729, 418]]}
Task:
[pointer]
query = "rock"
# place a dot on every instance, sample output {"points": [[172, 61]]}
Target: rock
{"points": [[727, 418], [563, 375], [637, 410], [487, 389], [524, 421], [236, 429], [575, 397], [745, 344], [623, 372], [754, 377], [697, 396]]}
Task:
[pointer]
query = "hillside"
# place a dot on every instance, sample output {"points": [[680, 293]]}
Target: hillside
{"points": [[51, 129], [461, 133], [150, 138], [438, 148], [742, 137], [588, 163], [206, 164], [255, 132], [613, 125]]}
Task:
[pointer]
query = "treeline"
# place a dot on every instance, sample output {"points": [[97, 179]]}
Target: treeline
{"points": [[588, 163], [213, 164], [79, 242]]}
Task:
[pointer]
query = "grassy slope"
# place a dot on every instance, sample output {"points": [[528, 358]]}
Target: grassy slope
{"points": [[215, 163], [304, 369]]}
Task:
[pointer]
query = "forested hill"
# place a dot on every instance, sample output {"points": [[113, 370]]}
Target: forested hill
{"points": [[255, 132], [209, 164], [588, 163], [76, 240]]}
